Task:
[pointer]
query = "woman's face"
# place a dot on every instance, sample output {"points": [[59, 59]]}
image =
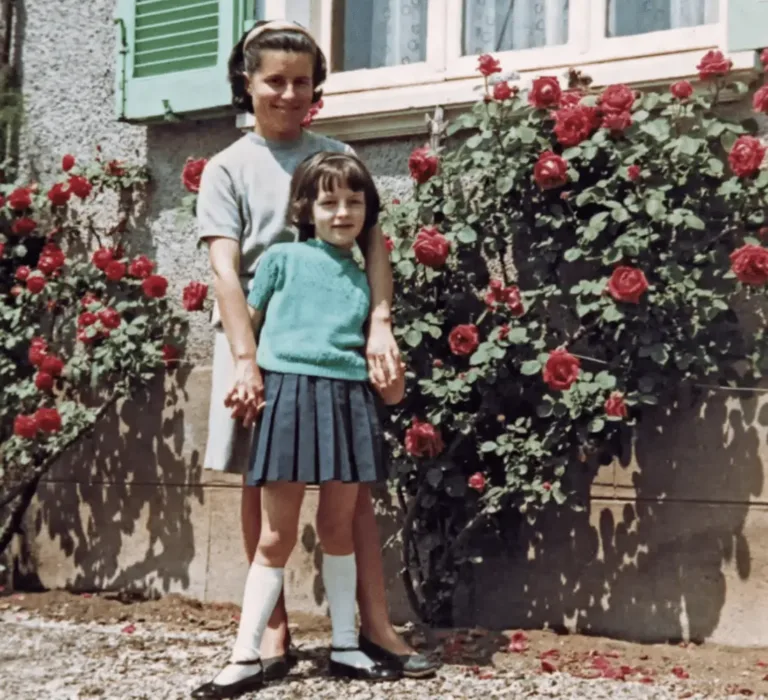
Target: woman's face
{"points": [[281, 91]]}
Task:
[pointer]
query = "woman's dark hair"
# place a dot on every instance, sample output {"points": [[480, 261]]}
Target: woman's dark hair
{"points": [[249, 61], [322, 172]]}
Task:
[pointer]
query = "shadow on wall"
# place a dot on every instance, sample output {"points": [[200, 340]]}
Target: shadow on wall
{"points": [[119, 505], [655, 551]]}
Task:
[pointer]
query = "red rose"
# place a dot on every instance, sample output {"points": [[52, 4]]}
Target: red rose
{"points": [[422, 164], [615, 406], [570, 98], [24, 226], [16, 290], [616, 122], [423, 440], [36, 283], [53, 251], [48, 420], [545, 92], [194, 296], [476, 481], [84, 337], [88, 299], [574, 124], [109, 318], [714, 65], [431, 247], [750, 264], [155, 286], [52, 365], [511, 296], [25, 426], [2, 249], [389, 243], [47, 264], [170, 354], [22, 273], [20, 199], [746, 156], [633, 172], [682, 89], [488, 65], [67, 163], [546, 486], [760, 100], [561, 370], [627, 284], [58, 195], [43, 381], [764, 58], [314, 110], [141, 267], [502, 91], [80, 186], [550, 171], [193, 171], [464, 339], [616, 98], [503, 331], [87, 318], [115, 270], [102, 257], [116, 168], [38, 349]]}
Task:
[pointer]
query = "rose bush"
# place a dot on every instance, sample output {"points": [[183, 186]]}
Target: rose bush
{"points": [[574, 256], [83, 322]]}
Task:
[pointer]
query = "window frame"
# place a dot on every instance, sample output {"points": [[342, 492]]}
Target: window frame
{"points": [[392, 101]]}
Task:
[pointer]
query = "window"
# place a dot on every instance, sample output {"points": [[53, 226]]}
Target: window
{"points": [[401, 58]]}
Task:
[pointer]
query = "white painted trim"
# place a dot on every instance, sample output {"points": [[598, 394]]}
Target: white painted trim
{"points": [[399, 111]]}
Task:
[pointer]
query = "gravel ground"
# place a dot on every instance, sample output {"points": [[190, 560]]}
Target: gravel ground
{"points": [[63, 660]]}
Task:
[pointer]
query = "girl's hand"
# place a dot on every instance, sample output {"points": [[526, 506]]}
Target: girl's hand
{"points": [[393, 393], [246, 397], [383, 355]]}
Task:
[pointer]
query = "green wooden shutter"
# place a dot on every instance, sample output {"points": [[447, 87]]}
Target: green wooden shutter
{"points": [[172, 56], [747, 24]]}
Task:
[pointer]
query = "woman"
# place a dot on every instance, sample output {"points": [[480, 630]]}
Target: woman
{"points": [[276, 71]]}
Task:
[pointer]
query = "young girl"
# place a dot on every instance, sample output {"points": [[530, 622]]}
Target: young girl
{"points": [[320, 423]]}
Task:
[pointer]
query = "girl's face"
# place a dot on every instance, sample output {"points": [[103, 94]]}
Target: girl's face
{"points": [[281, 91], [339, 215]]}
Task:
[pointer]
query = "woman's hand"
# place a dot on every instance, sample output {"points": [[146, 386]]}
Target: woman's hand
{"points": [[383, 355], [246, 397]]}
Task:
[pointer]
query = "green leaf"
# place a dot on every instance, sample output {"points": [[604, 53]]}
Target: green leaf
{"points": [[504, 184], [688, 145], [605, 380], [544, 410], [413, 337], [467, 235], [488, 446], [612, 313], [406, 268], [694, 222], [526, 134], [572, 254], [530, 367], [655, 208], [659, 354], [596, 425]]}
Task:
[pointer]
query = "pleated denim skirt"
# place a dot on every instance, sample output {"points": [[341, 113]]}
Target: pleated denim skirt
{"points": [[315, 429]]}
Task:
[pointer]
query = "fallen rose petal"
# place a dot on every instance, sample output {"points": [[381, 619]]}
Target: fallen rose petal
{"points": [[129, 629], [647, 680], [550, 654], [518, 646], [746, 691], [761, 664], [548, 667], [486, 676], [680, 672]]}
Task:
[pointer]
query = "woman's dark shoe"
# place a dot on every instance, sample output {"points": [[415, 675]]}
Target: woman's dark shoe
{"points": [[411, 665], [278, 667], [377, 672], [217, 691]]}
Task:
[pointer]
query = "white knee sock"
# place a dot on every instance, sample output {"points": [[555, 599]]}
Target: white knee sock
{"points": [[340, 580], [262, 589]]}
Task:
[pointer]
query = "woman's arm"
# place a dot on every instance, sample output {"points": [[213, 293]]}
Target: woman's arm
{"points": [[381, 349], [247, 394]]}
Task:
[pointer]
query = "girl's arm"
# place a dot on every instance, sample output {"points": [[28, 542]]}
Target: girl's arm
{"points": [[247, 394], [381, 349]]}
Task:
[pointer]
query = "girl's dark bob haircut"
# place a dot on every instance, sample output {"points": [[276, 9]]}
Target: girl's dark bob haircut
{"points": [[249, 62], [322, 172]]}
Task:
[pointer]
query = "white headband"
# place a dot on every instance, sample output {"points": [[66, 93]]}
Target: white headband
{"points": [[275, 26]]}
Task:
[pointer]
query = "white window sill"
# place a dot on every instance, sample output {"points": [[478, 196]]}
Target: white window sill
{"points": [[400, 110]]}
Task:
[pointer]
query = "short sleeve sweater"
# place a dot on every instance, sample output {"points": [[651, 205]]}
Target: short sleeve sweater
{"points": [[316, 301]]}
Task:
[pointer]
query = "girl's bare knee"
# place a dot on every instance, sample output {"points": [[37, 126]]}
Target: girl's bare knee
{"points": [[335, 534], [275, 547]]}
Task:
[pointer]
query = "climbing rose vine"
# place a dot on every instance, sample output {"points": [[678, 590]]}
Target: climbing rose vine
{"points": [[570, 258], [84, 318]]}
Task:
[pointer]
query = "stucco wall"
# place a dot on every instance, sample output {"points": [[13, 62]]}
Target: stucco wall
{"points": [[671, 544]]}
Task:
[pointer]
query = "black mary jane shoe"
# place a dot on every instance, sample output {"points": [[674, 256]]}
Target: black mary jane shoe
{"points": [[377, 672], [411, 665], [278, 667], [217, 691]]}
